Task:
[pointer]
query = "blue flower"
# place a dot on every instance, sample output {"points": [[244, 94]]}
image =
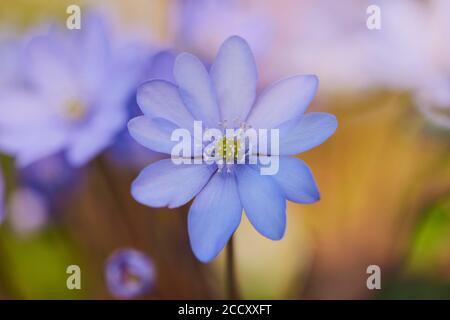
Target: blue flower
{"points": [[129, 273], [43, 188], [126, 152], [74, 97], [10, 61], [27, 211], [226, 93], [52, 177], [203, 24]]}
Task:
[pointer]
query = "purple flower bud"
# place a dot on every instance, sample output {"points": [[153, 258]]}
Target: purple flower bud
{"points": [[129, 273]]}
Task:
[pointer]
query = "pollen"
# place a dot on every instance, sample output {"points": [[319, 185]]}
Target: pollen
{"points": [[228, 148], [75, 110]]}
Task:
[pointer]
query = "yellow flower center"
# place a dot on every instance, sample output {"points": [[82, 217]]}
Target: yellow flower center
{"points": [[75, 110], [228, 148]]}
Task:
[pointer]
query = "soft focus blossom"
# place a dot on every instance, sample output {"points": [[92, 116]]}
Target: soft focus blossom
{"points": [[201, 25], [329, 38], [43, 188], [51, 176], [218, 97], [10, 50], [333, 40], [74, 101], [129, 274], [433, 100], [125, 151], [432, 93], [27, 211]]}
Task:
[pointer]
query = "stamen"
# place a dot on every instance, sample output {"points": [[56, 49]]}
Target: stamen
{"points": [[230, 149], [75, 110]]}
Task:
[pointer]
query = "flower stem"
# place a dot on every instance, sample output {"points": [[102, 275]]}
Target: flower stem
{"points": [[232, 288], [116, 196]]}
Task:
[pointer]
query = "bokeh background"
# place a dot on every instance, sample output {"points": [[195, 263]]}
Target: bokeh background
{"points": [[384, 176]]}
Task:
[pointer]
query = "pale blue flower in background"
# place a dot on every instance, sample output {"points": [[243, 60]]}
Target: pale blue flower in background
{"points": [[129, 273], [126, 152], [77, 83], [225, 93], [52, 176], [433, 101], [43, 189], [330, 39], [10, 51], [201, 25], [432, 93], [27, 211]]}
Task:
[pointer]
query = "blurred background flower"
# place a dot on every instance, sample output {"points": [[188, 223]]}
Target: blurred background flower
{"points": [[43, 189], [384, 176], [129, 274], [75, 86], [125, 151]]}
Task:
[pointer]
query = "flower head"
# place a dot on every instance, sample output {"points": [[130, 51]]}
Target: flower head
{"points": [[74, 95], [125, 151], [203, 24], [225, 98], [129, 273], [27, 211], [42, 187]]}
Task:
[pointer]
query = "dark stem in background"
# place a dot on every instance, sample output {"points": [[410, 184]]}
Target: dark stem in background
{"points": [[116, 196], [232, 288]]}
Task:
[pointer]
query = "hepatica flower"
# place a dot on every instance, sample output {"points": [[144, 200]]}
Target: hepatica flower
{"points": [[225, 98], [129, 273], [27, 211], [73, 100], [125, 151], [42, 189]]}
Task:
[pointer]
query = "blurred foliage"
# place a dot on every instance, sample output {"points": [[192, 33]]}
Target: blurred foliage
{"points": [[27, 12], [8, 171], [416, 288], [429, 249], [34, 267], [426, 272]]}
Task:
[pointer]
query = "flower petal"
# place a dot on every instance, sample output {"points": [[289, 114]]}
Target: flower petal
{"points": [[285, 100], [48, 66], [83, 148], [214, 216], [310, 131], [160, 99], [164, 183], [234, 75], [31, 146], [23, 109], [161, 66], [153, 133], [296, 181], [196, 89], [94, 49], [28, 129], [104, 126], [263, 202]]}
